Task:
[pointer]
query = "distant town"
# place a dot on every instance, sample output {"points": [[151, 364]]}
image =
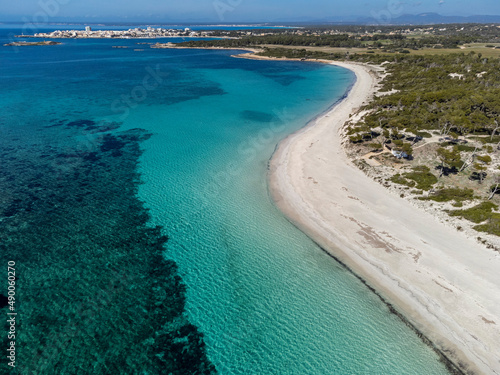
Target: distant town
{"points": [[135, 33]]}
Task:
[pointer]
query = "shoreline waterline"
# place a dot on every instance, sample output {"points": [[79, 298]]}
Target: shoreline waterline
{"points": [[314, 184]]}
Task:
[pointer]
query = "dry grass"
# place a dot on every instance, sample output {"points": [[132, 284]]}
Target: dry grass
{"points": [[476, 47], [321, 48]]}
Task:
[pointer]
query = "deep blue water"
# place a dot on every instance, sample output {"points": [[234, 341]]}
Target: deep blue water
{"points": [[265, 297]]}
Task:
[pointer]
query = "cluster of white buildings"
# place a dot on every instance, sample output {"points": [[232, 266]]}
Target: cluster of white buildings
{"points": [[130, 33]]}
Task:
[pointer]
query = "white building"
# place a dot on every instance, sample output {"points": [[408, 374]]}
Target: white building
{"points": [[88, 28]]}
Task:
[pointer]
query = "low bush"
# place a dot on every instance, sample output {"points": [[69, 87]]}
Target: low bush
{"points": [[424, 134], [478, 213], [422, 177], [465, 148], [398, 179], [451, 194]]}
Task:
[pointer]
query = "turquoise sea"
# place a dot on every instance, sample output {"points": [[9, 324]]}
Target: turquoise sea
{"points": [[135, 138]]}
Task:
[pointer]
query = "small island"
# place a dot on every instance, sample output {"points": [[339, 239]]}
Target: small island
{"points": [[21, 44]]}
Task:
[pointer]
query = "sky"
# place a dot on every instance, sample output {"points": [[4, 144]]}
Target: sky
{"points": [[233, 10]]}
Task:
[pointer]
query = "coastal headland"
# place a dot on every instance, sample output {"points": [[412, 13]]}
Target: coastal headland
{"points": [[445, 284]]}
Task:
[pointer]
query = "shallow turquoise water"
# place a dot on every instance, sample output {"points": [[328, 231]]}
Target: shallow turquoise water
{"points": [[268, 300]]}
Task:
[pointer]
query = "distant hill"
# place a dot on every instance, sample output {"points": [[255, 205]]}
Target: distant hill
{"points": [[384, 18], [429, 18]]}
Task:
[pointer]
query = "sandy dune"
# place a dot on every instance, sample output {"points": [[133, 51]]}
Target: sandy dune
{"points": [[445, 284]]}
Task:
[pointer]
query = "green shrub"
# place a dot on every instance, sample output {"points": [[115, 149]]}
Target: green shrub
{"points": [[457, 164], [485, 140], [422, 176], [375, 146], [478, 213], [398, 179], [465, 148], [407, 148], [424, 134], [492, 226], [449, 194], [484, 158], [356, 138]]}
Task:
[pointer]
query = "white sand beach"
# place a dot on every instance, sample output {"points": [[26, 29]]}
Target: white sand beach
{"points": [[446, 284]]}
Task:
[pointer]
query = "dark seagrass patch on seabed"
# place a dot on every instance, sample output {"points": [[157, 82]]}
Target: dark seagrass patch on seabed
{"points": [[88, 126], [285, 79], [95, 293], [258, 116]]}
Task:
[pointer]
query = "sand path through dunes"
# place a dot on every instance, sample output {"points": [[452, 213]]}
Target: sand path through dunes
{"points": [[445, 284]]}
